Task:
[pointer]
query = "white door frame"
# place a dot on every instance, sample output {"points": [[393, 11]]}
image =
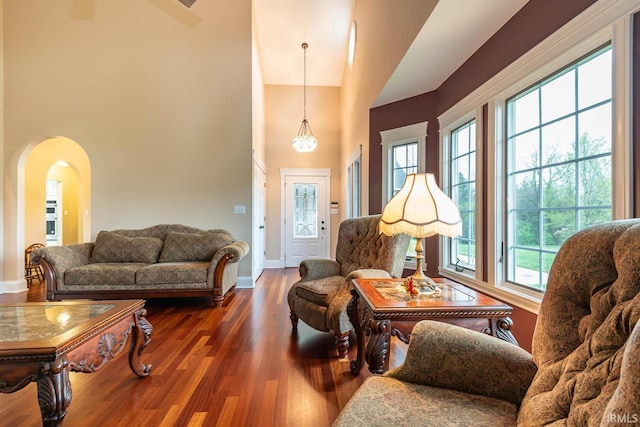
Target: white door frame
{"points": [[258, 219], [285, 172]]}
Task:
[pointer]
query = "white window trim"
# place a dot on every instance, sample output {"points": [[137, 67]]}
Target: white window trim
{"points": [[445, 179], [356, 155], [398, 136], [604, 21]]}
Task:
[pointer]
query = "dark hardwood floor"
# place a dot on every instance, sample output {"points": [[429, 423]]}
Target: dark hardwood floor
{"points": [[238, 365]]}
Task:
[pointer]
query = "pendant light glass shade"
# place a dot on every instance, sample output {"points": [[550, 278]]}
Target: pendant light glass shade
{"points": [[305, 142]]}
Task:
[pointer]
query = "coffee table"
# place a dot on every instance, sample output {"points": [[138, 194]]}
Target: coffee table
{"points": [[382, 308], [42, 342]]}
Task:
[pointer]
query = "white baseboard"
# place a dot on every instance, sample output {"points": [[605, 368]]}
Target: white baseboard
{"points": [[13, 286], [274, 263], [245, 282]]}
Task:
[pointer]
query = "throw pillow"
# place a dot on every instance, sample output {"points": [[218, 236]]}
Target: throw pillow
{"points": [[191, 246], [110, 247]]}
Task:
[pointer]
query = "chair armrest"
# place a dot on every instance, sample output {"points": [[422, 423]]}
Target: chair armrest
{"points": [[368, 273], [311, 269], [449, 356]]}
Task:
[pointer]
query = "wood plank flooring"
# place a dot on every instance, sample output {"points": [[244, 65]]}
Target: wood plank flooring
{"points": [[238, 365]]}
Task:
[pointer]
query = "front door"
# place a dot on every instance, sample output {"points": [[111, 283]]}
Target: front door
{"points": [[306, 218]]}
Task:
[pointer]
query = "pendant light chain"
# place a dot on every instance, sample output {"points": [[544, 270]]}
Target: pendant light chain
{"points": [[305, 46]]}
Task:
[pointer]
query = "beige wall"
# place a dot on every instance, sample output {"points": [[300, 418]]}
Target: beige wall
{"points": [[385, 32], [283, 113], [159, 97]]}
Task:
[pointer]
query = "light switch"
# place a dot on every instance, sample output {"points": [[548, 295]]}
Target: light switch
{"points": [[239, 209]]}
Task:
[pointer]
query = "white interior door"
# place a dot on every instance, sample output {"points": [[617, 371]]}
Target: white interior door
{"points": [[306, 221]]}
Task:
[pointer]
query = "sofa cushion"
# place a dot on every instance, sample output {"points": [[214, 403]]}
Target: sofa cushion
{"points": [[320, 291], [384, 401], [111, 247], [173, 272], [103, 275], [192, 246]]}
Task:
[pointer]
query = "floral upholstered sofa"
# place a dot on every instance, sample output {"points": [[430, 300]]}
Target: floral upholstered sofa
{"points": [[166, 260], [585, 366]]}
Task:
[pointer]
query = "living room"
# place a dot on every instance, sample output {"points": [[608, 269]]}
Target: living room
{"points": [[168, 106]]}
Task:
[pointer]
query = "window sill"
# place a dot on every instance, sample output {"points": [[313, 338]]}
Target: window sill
{"points": [[509, 296]]}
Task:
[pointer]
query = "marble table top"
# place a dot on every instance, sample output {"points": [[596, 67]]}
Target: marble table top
{"points": [[25, 322]]}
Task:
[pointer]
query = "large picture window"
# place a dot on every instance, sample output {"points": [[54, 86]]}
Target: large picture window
{"points": [[559, 145], [540, 151]]}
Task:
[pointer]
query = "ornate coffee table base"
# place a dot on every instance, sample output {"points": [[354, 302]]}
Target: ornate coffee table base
{"points": [[379, 327], [88, 353]]}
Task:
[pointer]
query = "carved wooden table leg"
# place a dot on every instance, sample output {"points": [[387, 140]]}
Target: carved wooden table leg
{"points": [[141, 337], [356, 316], [54, 392], [377, 354], [502, 329]]}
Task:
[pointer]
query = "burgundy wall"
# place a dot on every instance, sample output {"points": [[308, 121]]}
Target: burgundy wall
{"points": [[532, 24]]}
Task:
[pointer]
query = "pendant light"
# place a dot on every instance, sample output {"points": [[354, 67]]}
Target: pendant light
{"points": [[305, 141]]}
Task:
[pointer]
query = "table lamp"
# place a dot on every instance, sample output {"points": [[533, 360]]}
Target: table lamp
{"points": [[421, 209]]}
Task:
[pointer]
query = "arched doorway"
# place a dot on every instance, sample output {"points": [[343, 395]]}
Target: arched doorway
{"points": [[57, 180]]}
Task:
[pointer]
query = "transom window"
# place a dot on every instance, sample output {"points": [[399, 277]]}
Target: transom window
{"points": [[559, 175]]}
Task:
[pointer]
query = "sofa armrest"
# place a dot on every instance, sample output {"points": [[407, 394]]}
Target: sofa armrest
{"points": [[223, 270], [63, 258], [312, 269], [233, 252], [56, 260], [449, 356]]}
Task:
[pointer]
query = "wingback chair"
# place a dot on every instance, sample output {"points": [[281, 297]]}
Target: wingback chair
{"points": [[585, 367], [321, 296]]}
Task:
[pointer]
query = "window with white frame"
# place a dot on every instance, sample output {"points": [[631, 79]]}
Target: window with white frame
{"points": [[353, 184], [462, 188], [558, 154], [558, 169], [403, 153]]}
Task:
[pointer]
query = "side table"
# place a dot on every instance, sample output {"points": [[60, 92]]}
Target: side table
{"points": [[381, 308]]}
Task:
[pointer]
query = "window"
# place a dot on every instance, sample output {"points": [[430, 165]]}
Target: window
{"points": [[353, 37], [559, 164], [403, 152], [555, 130], [463, 192], [353, 184]]}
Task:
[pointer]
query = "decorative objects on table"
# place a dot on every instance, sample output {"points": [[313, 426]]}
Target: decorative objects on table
{"points": [[305, 142], [420, 209]]}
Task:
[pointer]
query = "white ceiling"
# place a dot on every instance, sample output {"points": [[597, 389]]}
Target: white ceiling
{"points": [[454, 30]]}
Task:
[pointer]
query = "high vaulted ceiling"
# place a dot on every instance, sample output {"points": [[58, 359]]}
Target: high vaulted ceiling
{"points": [[454, 30]]}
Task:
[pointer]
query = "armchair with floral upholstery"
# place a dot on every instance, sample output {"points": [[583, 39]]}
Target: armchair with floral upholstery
{"points": [[585, 366], [321, 296]]}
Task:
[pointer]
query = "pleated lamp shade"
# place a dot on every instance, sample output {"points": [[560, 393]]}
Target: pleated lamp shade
{"points": [[421, 209]]}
